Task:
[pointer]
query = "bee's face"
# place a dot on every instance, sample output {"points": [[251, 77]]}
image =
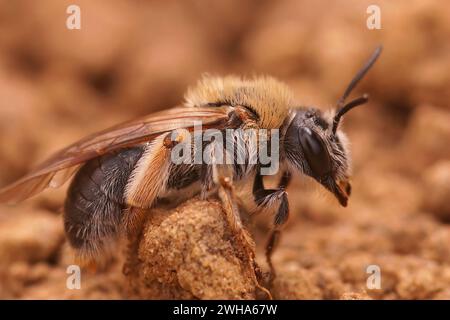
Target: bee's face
{"points": [[312, 148]]}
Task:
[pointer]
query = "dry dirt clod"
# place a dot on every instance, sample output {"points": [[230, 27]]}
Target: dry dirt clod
{"points": [[189, 252]]}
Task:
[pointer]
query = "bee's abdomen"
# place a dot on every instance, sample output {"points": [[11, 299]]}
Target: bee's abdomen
{"points": [[95, 201]]}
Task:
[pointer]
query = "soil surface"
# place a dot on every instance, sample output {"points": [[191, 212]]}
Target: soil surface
{"points": [[131, 58]]}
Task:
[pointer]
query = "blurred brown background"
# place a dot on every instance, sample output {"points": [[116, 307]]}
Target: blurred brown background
{"points": [[131, 58]]}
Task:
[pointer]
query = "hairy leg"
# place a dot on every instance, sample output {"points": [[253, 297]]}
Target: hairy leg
{"points": [[147, 181], [267, 198], [227, 196]]}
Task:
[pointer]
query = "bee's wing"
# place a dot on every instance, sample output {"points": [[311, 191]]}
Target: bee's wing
{"points": [[60, 167]]}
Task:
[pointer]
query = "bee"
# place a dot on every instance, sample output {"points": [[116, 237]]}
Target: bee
{"points": [[123, 170]]}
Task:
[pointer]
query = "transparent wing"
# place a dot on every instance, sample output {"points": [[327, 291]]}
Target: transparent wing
{"points": [[63, 164]]}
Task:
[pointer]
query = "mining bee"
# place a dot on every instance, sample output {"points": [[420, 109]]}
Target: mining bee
{"points": [[128, 167]]}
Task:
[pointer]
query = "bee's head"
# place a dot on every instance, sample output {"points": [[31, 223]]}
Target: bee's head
{"points": [[314, 144], [312, 148]]}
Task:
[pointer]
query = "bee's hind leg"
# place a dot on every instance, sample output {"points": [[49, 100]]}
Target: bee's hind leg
{"points": [[147, 180]]}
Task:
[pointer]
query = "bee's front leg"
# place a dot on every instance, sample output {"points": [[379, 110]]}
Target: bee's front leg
{"points": [[266, 198]]}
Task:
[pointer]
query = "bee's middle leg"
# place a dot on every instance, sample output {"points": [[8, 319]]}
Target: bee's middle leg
{"points": [[228, 199], [227, 196]]}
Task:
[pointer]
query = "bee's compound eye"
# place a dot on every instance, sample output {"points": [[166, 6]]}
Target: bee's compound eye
{"points": [[315, 152]]}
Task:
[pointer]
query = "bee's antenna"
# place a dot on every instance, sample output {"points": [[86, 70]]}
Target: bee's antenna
{"points": [[341, 109]]}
